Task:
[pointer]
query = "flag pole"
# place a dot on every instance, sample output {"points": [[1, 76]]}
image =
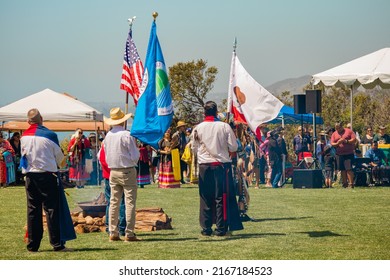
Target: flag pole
{"points": [[230, 93], [130, 21], [155, 15]]}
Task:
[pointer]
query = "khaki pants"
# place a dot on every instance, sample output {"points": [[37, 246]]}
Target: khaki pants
{"points": [[123, 180]]}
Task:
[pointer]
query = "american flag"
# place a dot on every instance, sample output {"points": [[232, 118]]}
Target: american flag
{"points": [[132, 69]]}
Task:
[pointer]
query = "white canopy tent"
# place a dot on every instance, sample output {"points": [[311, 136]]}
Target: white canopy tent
{"points": [[368, 71], [53, 106]]}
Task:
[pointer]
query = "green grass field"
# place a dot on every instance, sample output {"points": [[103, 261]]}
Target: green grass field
{"points": [[289, 224]]}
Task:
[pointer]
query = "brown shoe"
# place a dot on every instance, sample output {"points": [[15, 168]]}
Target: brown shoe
{"points": [[132, 238], [115, 238]]}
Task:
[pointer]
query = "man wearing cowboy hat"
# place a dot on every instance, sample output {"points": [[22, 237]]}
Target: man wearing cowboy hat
{"points": [[121, 156], [180, 134]]}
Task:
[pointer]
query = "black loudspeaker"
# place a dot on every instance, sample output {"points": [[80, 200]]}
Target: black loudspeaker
{"points": [[313, 101], [307, 178], [299, 104]]}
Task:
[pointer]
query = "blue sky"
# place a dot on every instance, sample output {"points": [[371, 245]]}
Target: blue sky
{"points": [[77, 46]]}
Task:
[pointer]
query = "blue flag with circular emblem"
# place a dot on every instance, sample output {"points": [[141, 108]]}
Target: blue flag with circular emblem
{"points": [[154, 112]]}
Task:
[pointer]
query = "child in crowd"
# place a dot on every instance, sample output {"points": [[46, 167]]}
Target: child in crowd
{"points": [[329, 162]]}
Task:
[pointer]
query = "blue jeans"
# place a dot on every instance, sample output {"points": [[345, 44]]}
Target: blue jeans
{"points": [[262, 165], [276, 173], [122, 209]]}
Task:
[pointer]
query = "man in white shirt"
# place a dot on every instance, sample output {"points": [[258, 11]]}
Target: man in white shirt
{"points": [[213, 141], [122, 155]]}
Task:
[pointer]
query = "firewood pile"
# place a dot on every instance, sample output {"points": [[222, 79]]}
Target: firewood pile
{"points": [[90, 217], [147, 219]]}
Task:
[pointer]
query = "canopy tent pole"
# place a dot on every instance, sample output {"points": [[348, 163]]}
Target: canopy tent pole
{"points": [[351, 105], [284, 160], [95, 155]]}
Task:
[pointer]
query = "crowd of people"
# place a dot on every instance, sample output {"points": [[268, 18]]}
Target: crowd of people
{"points": [[223, 158]]}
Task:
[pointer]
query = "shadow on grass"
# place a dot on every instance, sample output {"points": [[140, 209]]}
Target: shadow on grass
{"points": [[324, 233], [238, 236], [169, 239], [281, 219], [154, 233], [75, 250]]}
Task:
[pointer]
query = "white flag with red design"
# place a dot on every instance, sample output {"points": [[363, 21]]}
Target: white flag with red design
{"points": [[248, 101]]}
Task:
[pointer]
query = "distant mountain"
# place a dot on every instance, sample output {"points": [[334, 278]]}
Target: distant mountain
{"points": [[293, 85], [104, 107]]}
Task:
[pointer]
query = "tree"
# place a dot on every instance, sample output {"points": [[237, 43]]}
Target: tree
{"points": [[190, 83], [286, 98], [363, 111], [335, 105]]}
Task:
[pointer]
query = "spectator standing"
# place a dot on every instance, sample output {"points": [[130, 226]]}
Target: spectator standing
{"points": [[5, 146], [143, 167], [343, 139], [262, 157], [329, 165], [283, 146], [15, 143], [320, 149], [301, 143], [264, 149], [275, 158], [180, 134], [95, 175], [79, 150]]}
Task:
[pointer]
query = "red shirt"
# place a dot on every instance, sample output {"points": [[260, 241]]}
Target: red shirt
{"points": [[344, 148], [103, 163]]}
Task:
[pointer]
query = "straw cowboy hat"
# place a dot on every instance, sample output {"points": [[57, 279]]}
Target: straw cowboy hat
{"points": [[116, 116], [180, 123]]}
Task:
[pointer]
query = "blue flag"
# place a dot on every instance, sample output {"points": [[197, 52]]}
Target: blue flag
{"points": [[154, 112]]}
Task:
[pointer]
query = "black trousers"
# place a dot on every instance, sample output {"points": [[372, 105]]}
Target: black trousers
{"points": [[42, 191], [211, 185]]}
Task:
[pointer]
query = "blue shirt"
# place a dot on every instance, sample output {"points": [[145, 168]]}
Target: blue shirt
{"points": [[376, 156]]}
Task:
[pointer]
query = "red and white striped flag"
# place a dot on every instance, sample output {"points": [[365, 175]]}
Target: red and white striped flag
{"points": [[132, 70]]}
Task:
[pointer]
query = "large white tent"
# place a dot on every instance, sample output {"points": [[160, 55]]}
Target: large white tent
{"points": [[53, 106], [368, 71]]}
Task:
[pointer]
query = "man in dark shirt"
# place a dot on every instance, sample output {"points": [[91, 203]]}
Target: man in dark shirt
{"points": [[275, 158]]}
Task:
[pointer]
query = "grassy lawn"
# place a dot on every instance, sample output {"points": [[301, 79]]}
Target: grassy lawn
{"points": [[289, 224]]}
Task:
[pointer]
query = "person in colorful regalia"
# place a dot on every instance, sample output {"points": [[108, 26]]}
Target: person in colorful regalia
{"points": [[143, 166], [79, 150], [166, 178]]}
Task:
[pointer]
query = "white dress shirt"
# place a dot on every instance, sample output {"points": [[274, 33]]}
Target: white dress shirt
{"points": [[213, 141], [120, 148]]}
